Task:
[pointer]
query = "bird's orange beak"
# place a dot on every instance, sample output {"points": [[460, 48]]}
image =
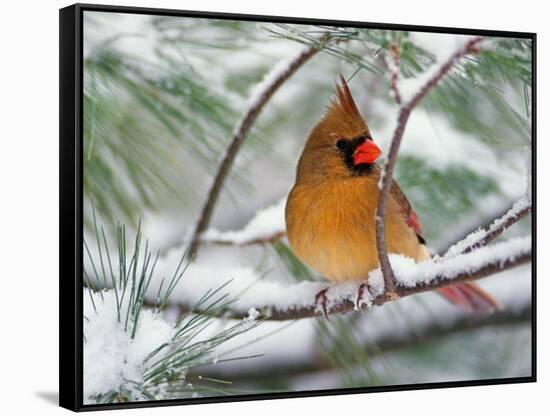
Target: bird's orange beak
{"points": [[366, 153]]}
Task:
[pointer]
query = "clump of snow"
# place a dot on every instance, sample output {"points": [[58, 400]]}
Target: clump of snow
{"points": [[339, 292], [111, 356], [253, 315], [264, 225]]}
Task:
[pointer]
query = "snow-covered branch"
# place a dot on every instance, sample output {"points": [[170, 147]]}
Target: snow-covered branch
{"points": [[277, 301], [261, 95], [407, 107], [230, 239], [482, 237], [267, 226]]}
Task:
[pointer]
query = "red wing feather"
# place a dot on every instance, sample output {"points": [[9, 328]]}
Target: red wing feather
{"points": [[406, 209], [467, 295], [414, 223]]}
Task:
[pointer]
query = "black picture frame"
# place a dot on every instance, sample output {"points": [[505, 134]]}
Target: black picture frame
{"points": [[71, 205]]}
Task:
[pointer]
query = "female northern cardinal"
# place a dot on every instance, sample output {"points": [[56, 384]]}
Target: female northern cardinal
{"points": [[331, 209]]}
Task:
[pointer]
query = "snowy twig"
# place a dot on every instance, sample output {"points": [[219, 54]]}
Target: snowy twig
{"points": [[394, 67], [456, 236], [275, 79], [481, 237], [412, 279], [268, 239], [387, 171], [265, 227], [402, 291]]}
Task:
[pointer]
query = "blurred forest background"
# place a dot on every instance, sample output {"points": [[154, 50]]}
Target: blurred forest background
{"points": [[162, 96]]}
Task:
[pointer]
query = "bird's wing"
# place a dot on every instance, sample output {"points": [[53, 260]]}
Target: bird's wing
{"points": [[406, 209], [467, 295]]}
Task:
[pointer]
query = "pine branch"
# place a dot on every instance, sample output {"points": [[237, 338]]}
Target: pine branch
{"points": [[498, 262], [387, 171], [167, 352], [276, 79]]}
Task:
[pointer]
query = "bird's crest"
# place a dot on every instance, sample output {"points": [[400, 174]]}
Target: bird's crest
{"points": [[345, 100], [342, 116]]}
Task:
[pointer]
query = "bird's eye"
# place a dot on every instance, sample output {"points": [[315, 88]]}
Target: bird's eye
{"points": [[342, 144]]}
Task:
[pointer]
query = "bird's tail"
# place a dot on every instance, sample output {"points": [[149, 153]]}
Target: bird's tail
{"points": [[470, 297]]}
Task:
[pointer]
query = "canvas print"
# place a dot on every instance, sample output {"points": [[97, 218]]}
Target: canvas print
{"points": [[280, 207]]}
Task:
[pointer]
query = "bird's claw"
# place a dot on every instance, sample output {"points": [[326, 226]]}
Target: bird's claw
{"points": [[321, 302], [361, 295]]}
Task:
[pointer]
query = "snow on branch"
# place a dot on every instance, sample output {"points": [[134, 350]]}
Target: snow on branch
{"points": [[260, 96], [426, 83], [394, 76], [481, 237], [528, 173], [278, 301], [267, 226]]}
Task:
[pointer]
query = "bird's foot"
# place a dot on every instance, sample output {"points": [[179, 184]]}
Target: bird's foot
{"points": [[321, 302], [360, 301]]}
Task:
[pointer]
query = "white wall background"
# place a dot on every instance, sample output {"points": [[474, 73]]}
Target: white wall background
{"points": [[29, 207]]}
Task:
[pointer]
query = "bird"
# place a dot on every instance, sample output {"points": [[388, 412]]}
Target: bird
{"points": [[330, 210]]}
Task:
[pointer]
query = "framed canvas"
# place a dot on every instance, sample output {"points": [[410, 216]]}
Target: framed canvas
{"points": [[257, 207]]}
